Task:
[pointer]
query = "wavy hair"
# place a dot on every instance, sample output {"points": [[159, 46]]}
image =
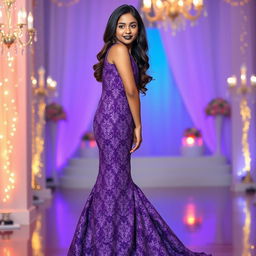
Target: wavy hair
{"points": [[139, 46]]}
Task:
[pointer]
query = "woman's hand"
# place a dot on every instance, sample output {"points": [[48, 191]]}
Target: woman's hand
{"points": [[137, 139]]}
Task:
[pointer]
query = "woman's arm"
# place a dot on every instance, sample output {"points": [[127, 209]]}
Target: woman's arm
{"points": [[119, 55]]}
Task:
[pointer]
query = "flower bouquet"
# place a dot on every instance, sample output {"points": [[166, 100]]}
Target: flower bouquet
{"points": [[54, 112], [88, 136], [218, 106], [192, 132], [88, 145], [192, 142]]}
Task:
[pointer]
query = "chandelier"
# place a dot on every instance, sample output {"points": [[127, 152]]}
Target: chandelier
{"points": [[174, 12], [15, 33]]}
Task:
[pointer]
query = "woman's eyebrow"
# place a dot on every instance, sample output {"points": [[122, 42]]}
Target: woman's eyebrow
{"points": [[125, 23]]}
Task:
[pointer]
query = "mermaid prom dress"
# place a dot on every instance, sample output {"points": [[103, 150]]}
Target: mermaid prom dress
{"points": [[118, 219]]}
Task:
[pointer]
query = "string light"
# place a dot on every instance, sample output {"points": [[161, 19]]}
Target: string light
{"points": [[245, 113], [38, 123], [8, 129], [244, 89], [246, 229], [36, 238], [7, 251], [38, 164], [243, 34]]}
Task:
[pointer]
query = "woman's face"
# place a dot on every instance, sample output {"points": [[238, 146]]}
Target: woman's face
{"points": [[127, 29]]}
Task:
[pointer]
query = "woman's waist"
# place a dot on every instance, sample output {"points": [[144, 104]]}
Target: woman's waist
{"points": [[113, 98], [109, 108]]}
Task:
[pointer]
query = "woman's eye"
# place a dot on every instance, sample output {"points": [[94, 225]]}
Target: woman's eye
{"points": [[133, 26], [121, 26]]}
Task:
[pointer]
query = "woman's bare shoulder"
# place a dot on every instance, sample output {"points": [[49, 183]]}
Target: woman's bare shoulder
{"points": [[117, 51]]}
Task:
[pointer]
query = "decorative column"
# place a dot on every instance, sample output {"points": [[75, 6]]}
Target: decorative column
{"points": [[51, 130], [38, 127], [243, 131], [51, 140], [218, 127], [15, 119]]}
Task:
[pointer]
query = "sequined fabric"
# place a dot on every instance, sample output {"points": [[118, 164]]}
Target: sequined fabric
{"points": [[118, 219]]}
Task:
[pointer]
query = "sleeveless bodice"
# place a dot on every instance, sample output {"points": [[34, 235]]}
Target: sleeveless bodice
{"points": [[111, 80]]}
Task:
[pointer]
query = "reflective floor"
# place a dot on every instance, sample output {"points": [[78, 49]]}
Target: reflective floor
{"points": [[213, 220]]}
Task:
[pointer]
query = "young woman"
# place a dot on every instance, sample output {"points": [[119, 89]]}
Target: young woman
{"points": [[118, 220]]}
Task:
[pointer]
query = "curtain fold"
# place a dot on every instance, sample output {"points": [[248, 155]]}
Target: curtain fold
{"points": [[164, 116]]}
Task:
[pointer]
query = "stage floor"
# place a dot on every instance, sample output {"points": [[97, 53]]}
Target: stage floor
{"points": [[213, 220]]}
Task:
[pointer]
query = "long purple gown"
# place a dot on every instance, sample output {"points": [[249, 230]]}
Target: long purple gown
{"points": [[118, 219]]}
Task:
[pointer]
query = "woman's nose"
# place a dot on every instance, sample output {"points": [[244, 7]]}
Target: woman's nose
{"points": [[128, 30]]}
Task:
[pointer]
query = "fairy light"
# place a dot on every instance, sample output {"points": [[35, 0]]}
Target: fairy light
{"points": [[8, 122], [8, 129], [38, 114], [38, 122], [39, 138], [10, 60], [246, 229], [245, 113], [7, 251], [36, 238]]}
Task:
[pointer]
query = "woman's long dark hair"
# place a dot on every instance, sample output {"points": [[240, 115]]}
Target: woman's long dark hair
{"points": [[139, 46]]}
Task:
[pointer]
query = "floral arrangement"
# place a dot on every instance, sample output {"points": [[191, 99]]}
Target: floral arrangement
{"points": [[88, 136], [192, 132], [218, 106], [54, 112]]}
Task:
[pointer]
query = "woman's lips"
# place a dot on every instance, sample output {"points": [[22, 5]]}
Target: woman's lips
{"points": [[127, 37]]}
